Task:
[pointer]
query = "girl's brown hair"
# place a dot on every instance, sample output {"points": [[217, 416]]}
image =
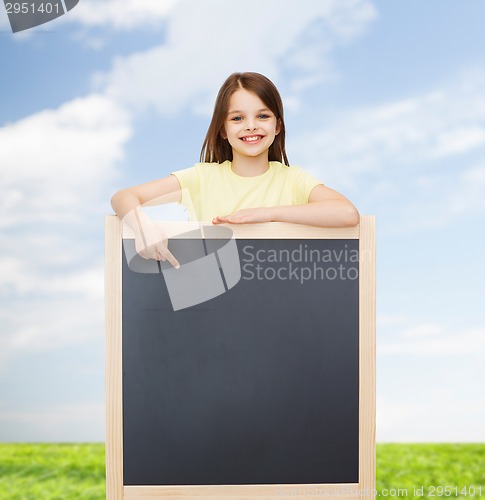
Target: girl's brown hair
{"points": [[217, 149]]}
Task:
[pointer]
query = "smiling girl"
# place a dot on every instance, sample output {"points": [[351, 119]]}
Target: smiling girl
{"points": [[244, 175]]}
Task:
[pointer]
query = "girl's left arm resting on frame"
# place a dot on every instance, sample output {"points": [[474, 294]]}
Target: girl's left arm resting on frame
{"points": [[325, 208]]}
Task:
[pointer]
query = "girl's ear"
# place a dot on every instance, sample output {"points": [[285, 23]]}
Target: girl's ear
{"points": [[278, 126], [223, 133]]}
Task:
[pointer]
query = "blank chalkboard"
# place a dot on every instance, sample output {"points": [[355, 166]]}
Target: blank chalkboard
{"points": [[259, 385]]}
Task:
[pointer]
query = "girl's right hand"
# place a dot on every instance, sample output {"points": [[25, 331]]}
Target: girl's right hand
{"points": [[150, 238], [151, 243]]}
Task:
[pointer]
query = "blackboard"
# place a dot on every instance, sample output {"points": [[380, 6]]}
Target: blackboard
{"points": [[259, 385]]}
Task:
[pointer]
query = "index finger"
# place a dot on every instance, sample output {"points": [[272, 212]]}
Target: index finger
{"points": [[169, 256]]}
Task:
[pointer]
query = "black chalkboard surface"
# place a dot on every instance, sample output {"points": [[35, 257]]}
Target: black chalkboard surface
{"points": [[259, 385]]}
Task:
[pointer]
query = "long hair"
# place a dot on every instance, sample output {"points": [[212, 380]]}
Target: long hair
{"points": [[217, 149]]}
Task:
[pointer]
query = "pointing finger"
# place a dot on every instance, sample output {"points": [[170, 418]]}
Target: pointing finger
{"points": [[169, 256]]}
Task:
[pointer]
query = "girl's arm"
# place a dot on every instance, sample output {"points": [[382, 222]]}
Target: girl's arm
{"points": [[150, 240], [126, 200], [325, 208]]}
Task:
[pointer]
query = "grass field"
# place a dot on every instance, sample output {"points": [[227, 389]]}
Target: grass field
{"points": [[76, 471], [52, 471]]}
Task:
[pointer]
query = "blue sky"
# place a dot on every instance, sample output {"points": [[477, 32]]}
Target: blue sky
{"points": [[385, 102]]}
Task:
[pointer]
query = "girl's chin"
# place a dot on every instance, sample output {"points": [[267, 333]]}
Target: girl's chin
{"points": [[252, 150], [248, 154]]}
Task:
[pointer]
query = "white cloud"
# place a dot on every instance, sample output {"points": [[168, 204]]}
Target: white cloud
{"points": [[206, 41], [58, 169], [470, 341], [427, 340], [440, 417], [121, 14], [441, 198], [416, 132], [428, 381], [52, 160], [45, 307], [417, 161], [24, 276], [458, 140], [467, 196], [51, 322], [55, 422], [421, 331]]}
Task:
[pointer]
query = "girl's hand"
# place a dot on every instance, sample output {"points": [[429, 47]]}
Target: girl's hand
{"points": [[245, 216], [150, 238], [151, 243]]}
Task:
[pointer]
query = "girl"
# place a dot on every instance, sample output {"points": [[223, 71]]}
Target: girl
{"points": [[244, 175]]}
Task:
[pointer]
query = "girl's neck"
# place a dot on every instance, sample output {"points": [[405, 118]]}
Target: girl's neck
{"points": [[247, 166]]}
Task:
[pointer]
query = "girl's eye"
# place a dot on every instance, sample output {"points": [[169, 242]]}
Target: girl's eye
{"points": [[263, 117], [236, 118]]}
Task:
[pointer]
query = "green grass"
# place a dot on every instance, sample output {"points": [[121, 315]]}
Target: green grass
{"points": [[52, 471], [76, 471], [411, 466]]}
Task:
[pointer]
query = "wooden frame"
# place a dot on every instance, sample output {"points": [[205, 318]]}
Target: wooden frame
{"points": [[115, 489]]}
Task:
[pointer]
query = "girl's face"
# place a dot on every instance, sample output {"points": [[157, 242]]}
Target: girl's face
{"points": [[250, 126]]}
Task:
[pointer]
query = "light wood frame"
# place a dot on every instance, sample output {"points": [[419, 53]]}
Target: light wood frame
{"points": [[364, 489]]}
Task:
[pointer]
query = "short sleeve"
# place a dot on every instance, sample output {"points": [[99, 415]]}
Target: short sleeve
{"points": [[190, 186], [188, 178], [302, 184]]}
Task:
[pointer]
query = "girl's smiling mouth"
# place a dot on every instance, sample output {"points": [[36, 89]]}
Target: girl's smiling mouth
{"points": [[252, 138]]}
